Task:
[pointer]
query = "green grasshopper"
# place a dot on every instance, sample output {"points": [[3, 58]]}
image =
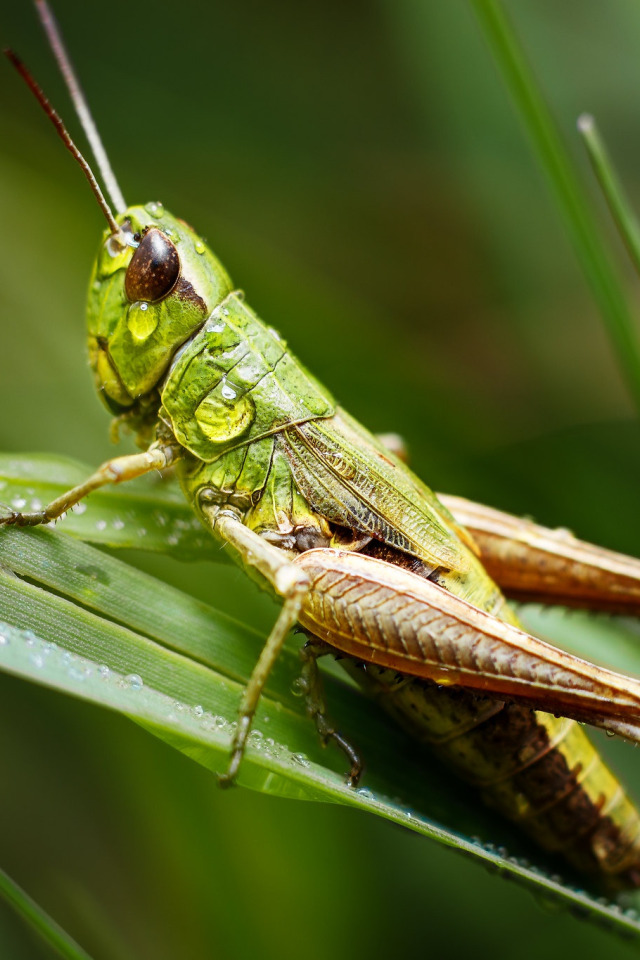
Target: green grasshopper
{"points": [[367, 560]]}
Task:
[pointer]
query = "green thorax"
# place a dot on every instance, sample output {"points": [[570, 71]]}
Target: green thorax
{"points": [[234, 382]]}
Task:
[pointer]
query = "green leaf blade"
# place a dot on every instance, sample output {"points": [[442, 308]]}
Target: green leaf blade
{"points": [[89, 625]]}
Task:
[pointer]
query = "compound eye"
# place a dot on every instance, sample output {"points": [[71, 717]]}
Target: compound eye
{"points": [[154, 268]]}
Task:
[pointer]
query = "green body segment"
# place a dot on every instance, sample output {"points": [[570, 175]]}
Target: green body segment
{"points": [[259, 436], [541, 772], [235, 384]]}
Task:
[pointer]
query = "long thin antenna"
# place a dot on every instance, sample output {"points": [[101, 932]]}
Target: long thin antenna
{"points": [[64, 136], [80, 103]]}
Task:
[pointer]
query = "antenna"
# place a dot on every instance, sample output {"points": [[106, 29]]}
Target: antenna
{"points": [[80, 103], [64, 136]]}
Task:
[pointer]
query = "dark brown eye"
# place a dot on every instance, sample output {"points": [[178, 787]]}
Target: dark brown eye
{"points": [[154, 268]]}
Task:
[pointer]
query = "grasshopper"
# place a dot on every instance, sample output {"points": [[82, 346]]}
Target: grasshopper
{"points": [[403, 585]]}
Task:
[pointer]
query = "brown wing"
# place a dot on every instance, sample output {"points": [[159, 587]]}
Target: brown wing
{"points": [[380, 613]]}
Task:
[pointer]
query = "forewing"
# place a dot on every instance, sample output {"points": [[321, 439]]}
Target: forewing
{"points": [[355, 482]]}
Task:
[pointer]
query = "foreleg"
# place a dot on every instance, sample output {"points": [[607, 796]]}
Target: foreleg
{"points": [[117, 470]]}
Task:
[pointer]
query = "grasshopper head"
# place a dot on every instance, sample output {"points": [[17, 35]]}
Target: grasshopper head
{"points": [[153, 284], [154, 281]]}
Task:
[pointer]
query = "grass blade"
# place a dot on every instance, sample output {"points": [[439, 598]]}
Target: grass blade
{"points": [[41, 922], [611, 187], [605, 282], [91, 626]]}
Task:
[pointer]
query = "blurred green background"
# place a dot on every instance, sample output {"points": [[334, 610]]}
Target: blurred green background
{"points": [[359, 169]]}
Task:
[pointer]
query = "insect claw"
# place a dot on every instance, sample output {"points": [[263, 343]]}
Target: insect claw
{"points": [[11, 519], [226, 780], [16, 519], [353, 778]]}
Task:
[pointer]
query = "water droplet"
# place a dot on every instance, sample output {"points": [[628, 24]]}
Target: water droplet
{"points": [[37, 659], [29, 637], [4, 640], [114, 246], [301, 759], [198, 710], [142, 532], [248, 370], [118, 524], [19, 503], [141, 321], [217, 327], [78, 674], [225, 311], [79, 508], [366, 793], [299, 687], [103, 671], [316, 405], [93, 572], [36, 505], [562, 533], [134, 681], [222, 419], [610, 733], [101, 525], [219, 722], [155, 209], [172, 540], [228, 392], [199, 246]]}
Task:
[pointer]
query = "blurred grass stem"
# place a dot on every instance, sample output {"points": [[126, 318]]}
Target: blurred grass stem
{"points": [[574, 205], [617, 201], [40, 921]]}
